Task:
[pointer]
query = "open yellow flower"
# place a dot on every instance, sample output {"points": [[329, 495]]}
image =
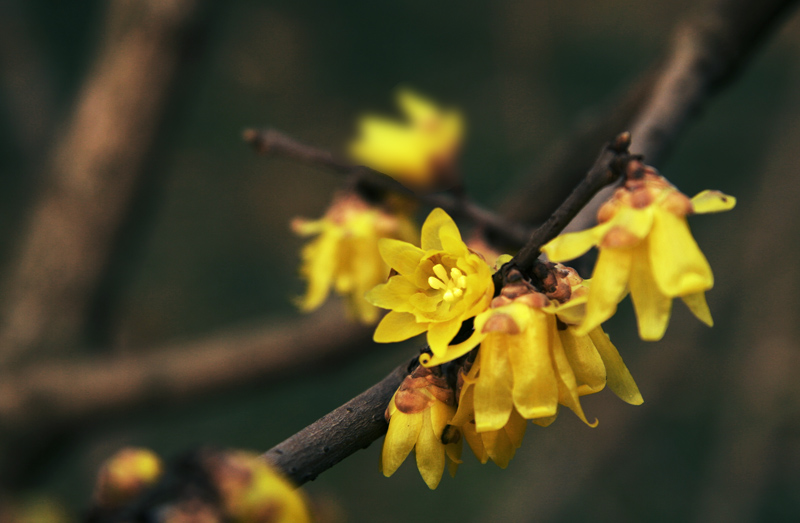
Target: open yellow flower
{"points": [[417, 415], [345, 254], [420, 153], [436, 287], [531, 360], [645, 247]]}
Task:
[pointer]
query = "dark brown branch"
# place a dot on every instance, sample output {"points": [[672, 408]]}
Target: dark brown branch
{"points": [[330, 439], [270, 141]]}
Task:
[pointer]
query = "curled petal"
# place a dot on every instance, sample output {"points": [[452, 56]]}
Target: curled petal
{"points": [[400, 256], [567, 385], [441, 334], [586, 363], [712, 201], [437, 224]]}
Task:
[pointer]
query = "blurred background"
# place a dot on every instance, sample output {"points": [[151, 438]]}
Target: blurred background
{"points": [[148, 268]]}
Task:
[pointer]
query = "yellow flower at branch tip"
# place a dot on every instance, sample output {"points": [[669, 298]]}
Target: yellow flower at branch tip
{"points": [[436, 287], [344, 255], [125, 475], [530, 361], [646, 248], [252, 492], [418, 415], [498, 445], [421, 152]]}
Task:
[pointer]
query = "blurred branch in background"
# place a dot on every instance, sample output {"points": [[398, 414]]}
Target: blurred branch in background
{"points": [[719, 37], [65, 393], [708, 50], [94, 172]]}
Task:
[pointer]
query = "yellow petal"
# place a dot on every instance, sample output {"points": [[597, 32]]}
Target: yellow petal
{"points": [[318, 274], [567, 386], [619, 377], [586, 363], [492, 396], [712, 201], [453, 455], [400, 256], [394, 294], [475, 442], [571, 245], [651, 305], [679, 267], [441, 334], [498, 447], [398, 326], [637, 222], [608, 286], [453, 351], [437, 223], [415, 107], [697, 304], [401, 437], [430, 453], [535, 389]]}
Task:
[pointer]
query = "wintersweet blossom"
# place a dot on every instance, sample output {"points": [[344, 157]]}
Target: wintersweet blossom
{"points": [[436, 287], [418, 414], [646, 248], [531, 359], [344, 255], [420, 153]]}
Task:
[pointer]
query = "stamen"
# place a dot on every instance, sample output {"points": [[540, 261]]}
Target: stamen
{"points": [[455, 274], [440, 271], [436, 283], [448, 296], [462, 282], [458, 293]]}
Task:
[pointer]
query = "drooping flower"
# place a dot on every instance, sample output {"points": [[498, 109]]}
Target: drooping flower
{"points": [[498, 445], [436, 287], [531, 359], [344, 255], [420, 153], [646, 248], [418, 415], [252, 492]]}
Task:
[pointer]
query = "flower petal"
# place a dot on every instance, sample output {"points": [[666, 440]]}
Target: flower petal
{"points": [[398, 326], [438, 222], [430, 453], [697, 304], [441, 334], [608, 286], [586, 363], [678, 265], [492, 395], [401, 437], [651, 305], [535, 388], [619, 377], [498, 447], [567, 386], [712, 201], [394, 294], [571, 245], [400, 256]]}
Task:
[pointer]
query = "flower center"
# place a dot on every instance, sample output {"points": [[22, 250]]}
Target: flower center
{"points": [[453, 284]]}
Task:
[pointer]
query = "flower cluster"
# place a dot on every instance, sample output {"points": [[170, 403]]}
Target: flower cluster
{"points": [[344, 255], [646, 249]]}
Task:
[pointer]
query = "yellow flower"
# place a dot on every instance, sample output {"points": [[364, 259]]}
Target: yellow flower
{"points": [[420, 153], [531, 360], [437, 287], [645, 247], [252, 492], [125, 475], [498, 445], [417, 415], [345, 253]]}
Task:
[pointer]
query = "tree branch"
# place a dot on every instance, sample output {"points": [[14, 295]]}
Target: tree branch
{"points": [[369, 181], [740, 24]]}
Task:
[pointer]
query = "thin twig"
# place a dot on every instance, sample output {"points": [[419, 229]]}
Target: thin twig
{"points": [[271, 141]]}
